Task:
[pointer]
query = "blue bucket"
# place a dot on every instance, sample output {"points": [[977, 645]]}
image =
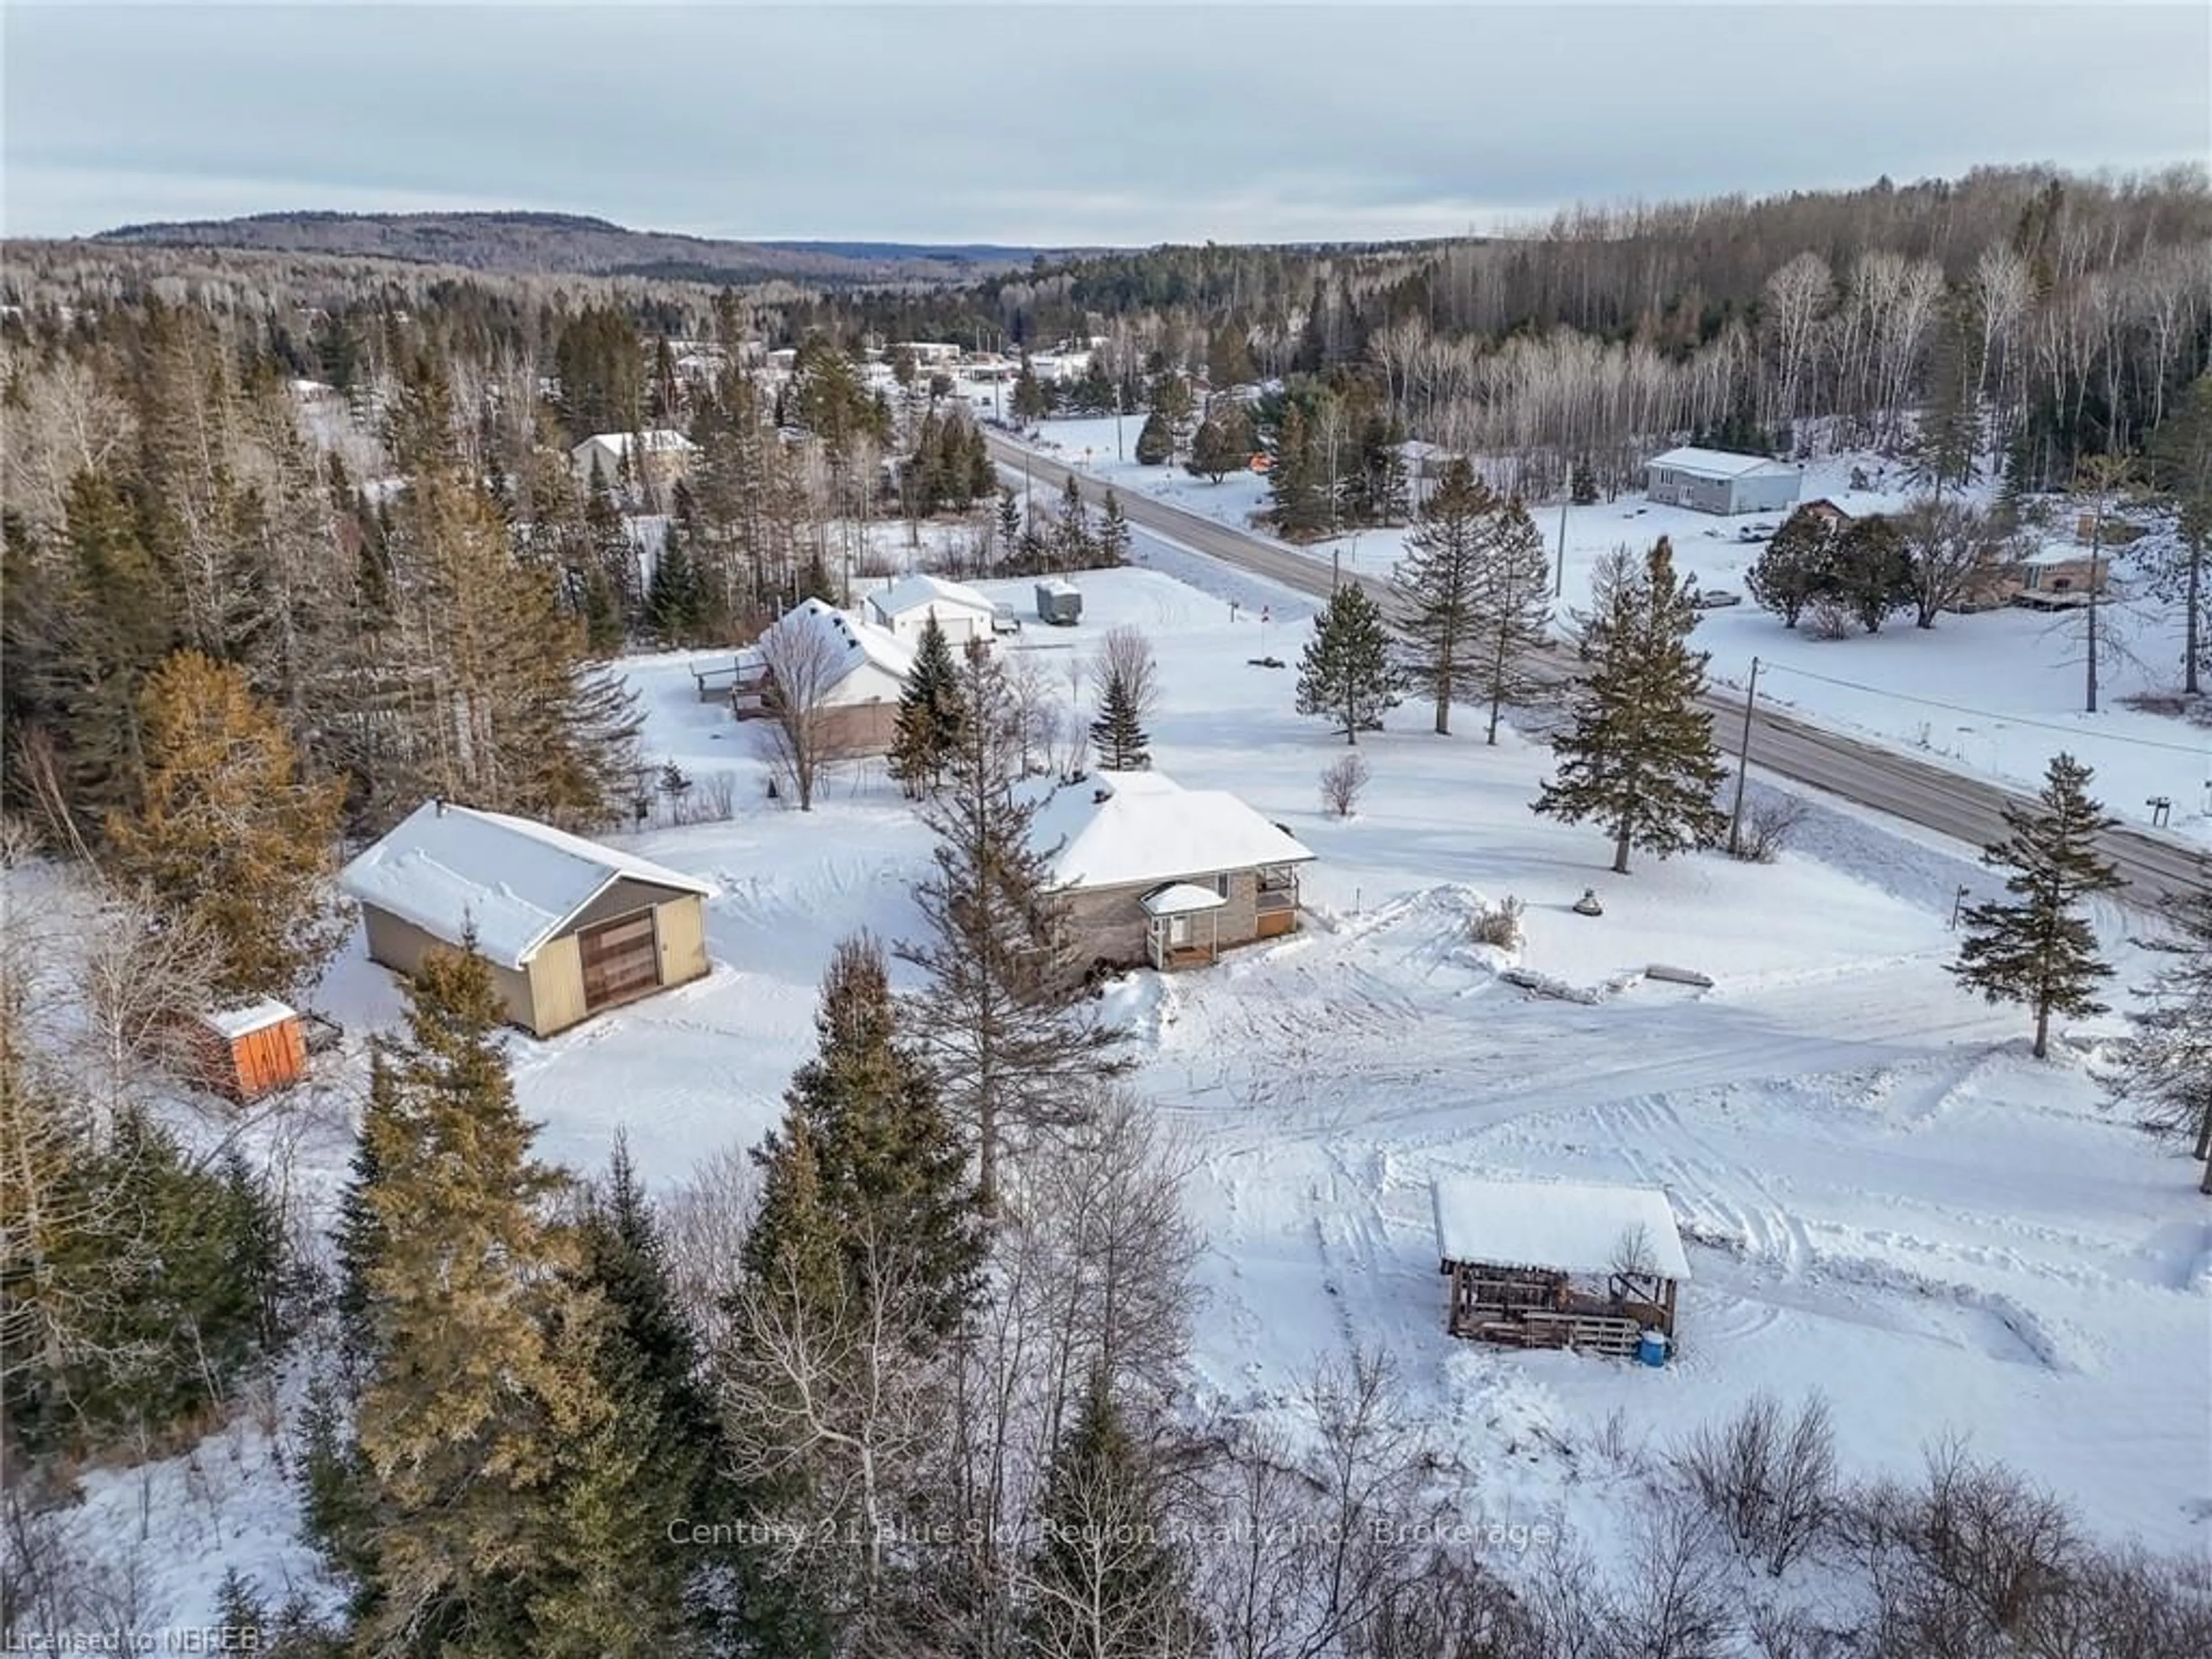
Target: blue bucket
{"points": [[1651, 1348]]}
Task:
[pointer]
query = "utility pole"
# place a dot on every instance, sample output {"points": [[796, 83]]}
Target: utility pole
{"points": [[1559, 577], [1742, 764]]}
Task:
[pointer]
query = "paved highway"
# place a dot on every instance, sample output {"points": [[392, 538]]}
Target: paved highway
{"points": [[1968, 809]]}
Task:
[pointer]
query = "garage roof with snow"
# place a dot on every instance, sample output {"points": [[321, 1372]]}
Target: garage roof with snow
{"points": [[1117, 828], [1562, 1225], [1717, 462], [920, 592], [448, 868]]}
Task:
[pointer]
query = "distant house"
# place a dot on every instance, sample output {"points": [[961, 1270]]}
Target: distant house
{"points": [[1828, 512], [1151, 873], [929, 354], [858, 695], [666, 455], [904, 608], [1555, 1265], [2056, 578], [1720, 481], [569, 927]]}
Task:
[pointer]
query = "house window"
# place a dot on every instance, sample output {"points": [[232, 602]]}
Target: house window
{"points": [[1221, 886]]}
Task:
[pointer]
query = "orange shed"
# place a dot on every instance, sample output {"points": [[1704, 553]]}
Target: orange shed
{"points": [[244, 1053]]}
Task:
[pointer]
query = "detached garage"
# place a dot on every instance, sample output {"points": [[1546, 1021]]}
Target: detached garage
{"points": [[569, 927]]}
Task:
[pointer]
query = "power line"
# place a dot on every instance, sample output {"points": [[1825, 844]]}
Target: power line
{"points": [[2201, 750]]}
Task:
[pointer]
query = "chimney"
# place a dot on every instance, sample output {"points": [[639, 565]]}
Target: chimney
{"points": [[439, 801]]}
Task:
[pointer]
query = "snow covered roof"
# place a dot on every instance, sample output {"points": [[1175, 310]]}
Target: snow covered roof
{"points": [[235, 1023], [1117, 828], [1717, 462], [448, 868], [857, 640], [1059, 586], [1559, 1224], [1181, 899], [918, 593], [659, 440]]}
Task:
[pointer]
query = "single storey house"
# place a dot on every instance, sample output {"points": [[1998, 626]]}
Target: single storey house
{"points": [[1720, 481], [1151, 873], [903, 609], [665, 456], [859, 671], [569, 927], [1558, 1264], [2056, 578]]}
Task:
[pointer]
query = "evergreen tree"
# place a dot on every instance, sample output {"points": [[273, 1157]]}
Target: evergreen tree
{"points": [[478, 1391], [1582, 489], [1796, 567], [82, 634], [1155, 441], [1512, 616], [1639, 757], [1105, 1582], [228, 839], [866, 1152], [1871, 570], [2181, 466], [1229, 355], [1010, 521], [1031, 401], [1295, 481], [1436, 584], [675, 605], [2038, 949], [1113, 531], [2167, 1071], [1346, 675], [1117, 738], [1219, 448], [1074, 546], [1946, 449], [499, 705], [929, 715], [1001, 1016], [655, 1452]]}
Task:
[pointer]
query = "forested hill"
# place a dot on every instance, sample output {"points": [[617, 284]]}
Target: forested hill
{"points": [[566, 243]]}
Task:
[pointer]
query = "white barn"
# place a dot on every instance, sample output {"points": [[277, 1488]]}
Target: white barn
{"points": [[1720, 481], [904, 608]]}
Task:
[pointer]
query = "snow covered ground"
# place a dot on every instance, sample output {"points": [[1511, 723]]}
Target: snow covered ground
{"points": [[1997, 694], [1884, 1197]]}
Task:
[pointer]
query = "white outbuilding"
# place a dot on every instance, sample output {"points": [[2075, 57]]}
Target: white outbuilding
{"points": [[1721, 481], [904, 608]]}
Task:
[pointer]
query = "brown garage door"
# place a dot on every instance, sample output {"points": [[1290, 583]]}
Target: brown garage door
{"points": [[621, 960]]}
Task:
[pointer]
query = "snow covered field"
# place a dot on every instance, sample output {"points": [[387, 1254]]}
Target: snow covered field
{"points": [[1997, 694], [1884, 1197]]}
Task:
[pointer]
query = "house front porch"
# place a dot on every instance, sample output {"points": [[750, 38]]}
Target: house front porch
{"points": [[1182, 925]]}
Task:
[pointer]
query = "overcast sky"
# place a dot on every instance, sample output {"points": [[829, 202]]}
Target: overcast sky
{"points": [[1056, 124]]}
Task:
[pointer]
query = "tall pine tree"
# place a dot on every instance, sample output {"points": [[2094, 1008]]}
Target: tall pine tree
{"points": [[1105, 1582], [2167, 1071], [1639, 757], [479, 1386], [1116, 736], [229, 838], [929, 715], [1346, 674], [2038, 949], [1000, 1015], [881, 1157], [1512, 616]]}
